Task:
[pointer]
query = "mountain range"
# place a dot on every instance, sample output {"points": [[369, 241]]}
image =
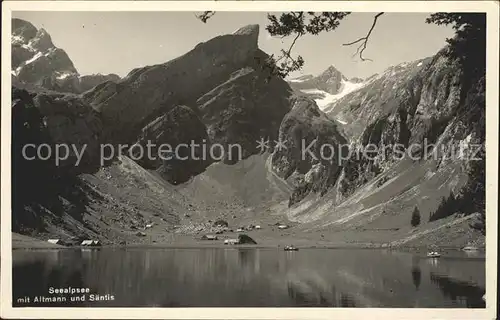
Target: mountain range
{"points": [[220, 93]]}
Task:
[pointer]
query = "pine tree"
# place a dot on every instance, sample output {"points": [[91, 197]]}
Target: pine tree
{"points": [[447, 207], [469, 41], [415, 217]]}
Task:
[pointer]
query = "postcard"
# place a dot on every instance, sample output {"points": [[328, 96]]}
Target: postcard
{"points": [[249, 159]]}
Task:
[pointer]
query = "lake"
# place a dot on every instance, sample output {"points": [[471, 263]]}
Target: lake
{"points": [[240, 277]]}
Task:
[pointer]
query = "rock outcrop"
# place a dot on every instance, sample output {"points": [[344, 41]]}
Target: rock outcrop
{"points": [[64, 120], [410, 104], [314, 148], [39, 123], [29, 178], [381, 95], [244, 109], [177, 139]]}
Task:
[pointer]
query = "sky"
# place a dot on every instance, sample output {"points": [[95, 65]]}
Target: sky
{"points": [[117, 42]]}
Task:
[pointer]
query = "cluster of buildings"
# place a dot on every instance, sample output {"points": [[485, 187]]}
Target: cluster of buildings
{"points": [[84, 243]]}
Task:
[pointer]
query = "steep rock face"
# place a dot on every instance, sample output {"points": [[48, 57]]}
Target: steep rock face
{"points": [[411, 105], [28, 176], [34, 56], [66, 83], [24, 29], [36, 61], [170, 135], [45, 192], [54, 61], [399, 85], [66, 120], [148, 92], [243, 110], [311, 159]]}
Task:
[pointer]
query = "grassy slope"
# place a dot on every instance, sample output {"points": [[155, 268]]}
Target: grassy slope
{"points": [[20, 241], [249, 193]]}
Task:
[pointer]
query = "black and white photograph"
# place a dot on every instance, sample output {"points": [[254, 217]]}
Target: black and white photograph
{"points": [[232, 159]]}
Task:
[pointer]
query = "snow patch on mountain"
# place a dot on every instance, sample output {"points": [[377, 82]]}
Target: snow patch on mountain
{"points": [[301, 78], [348, 87], [64, 75], [16, 72], [327, 98], [35, 57], [16, 39]]}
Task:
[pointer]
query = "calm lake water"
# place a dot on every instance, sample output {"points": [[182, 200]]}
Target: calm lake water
{"points": [[238, 277]]}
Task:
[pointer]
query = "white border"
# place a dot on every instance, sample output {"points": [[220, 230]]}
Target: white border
{"points": [[490, 7]]}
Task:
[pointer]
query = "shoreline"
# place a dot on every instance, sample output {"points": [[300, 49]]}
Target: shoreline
{"points": [[222, 246], [264, 240]]}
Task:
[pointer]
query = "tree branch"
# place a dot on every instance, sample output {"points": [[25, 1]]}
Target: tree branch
{"points": [[205, 16], [364, 40], [287, 54]]}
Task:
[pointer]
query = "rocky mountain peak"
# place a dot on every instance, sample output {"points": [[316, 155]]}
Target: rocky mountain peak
{"points": [[332, 75], [38, 63], [23, 29], [329, 81], [331, 70], [250, 30]]}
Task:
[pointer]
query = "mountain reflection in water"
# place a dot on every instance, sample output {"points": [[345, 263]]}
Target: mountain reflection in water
{"points": [[237, 277]]}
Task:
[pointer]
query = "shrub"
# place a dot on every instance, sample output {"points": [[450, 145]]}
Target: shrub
{"points": [[243, 239]]}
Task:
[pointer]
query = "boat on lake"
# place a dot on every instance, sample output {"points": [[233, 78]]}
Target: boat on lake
{"points": [[433, 254], [291, 248]]}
